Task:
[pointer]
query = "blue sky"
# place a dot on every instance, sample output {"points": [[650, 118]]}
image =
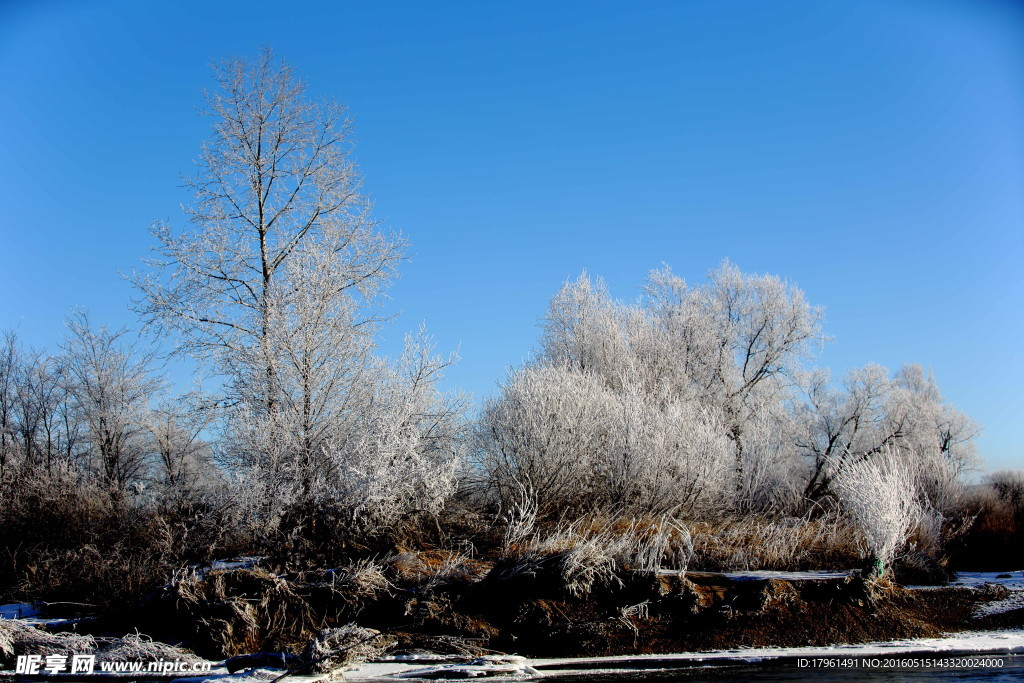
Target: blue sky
{"points": [[871, 152]]}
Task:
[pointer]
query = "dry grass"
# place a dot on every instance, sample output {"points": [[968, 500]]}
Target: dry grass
{"points": [[362, 581], [344, 647], [21, 638], [771, 543], [136, 647], [64, 538], [429, 569], [243, 611], [592, 551]]}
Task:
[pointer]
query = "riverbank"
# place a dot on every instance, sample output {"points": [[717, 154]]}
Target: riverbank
{"points": [[534, 612]]}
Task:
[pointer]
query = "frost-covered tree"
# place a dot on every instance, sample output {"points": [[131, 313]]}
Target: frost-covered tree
{"points": [[403, 456], [743, 340], [183, 460], [697, 398], [275, 284], [37, 429], [111, 387], [649, 403], [275, 287], [871, 412], [570, 444], [394, 456]]}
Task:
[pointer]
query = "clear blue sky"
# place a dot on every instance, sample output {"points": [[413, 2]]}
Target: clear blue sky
{"points": [[871, 152]]}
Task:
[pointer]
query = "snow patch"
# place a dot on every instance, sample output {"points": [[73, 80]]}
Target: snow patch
{"points": [[991, 642], [787, 576], [505, 666], [1014, 601], [1013, 580], [19, 610]]}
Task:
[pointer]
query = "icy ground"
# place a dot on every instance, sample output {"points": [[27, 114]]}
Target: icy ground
{"points": [[1014, 581], [29, 612], [786, 576], [18, 610], [1002, 642]]}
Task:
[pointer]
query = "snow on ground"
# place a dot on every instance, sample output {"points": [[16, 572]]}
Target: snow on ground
{"points": [[491, 665], [245, 562], [1013, 580], [505, 666], [18, 610], [1014, 601], [248, 676], [786, 576], [754, 575], [29, 613], [994, 642]]}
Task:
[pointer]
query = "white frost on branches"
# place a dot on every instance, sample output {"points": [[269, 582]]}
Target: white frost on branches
{"points": [[878, 494]]}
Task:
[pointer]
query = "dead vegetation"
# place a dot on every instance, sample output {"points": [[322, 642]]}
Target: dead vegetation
{"points": [[336, 648], [22, 638], [242, 611], [789, 543], [430, 569]]}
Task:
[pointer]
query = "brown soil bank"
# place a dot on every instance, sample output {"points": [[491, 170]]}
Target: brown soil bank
{"points": [[703, 611], [538, 614]]}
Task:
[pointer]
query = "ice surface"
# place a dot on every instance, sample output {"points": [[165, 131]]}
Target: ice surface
{"points": [[18, 610], [963, 643]]}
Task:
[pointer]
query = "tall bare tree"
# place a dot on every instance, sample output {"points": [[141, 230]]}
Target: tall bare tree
{"points": [[275, 186], [275, 286]]}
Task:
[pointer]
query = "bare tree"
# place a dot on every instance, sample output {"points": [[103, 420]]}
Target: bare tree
{"points": [[111, 388], [37, 427], [870, 412], [275, 283], [183, 457], [8, 372]]}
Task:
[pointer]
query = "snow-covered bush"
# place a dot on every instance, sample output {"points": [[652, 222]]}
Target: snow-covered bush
{"points": [[678, 402], [879, 495], [395, 454]]}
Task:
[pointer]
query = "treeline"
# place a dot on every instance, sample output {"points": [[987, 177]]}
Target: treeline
{"points": [[686, 428]]}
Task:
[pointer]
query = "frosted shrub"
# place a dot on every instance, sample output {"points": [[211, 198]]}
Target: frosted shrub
{"points": [[879, 495], [403, 456], [677, 403], [546, 433]]}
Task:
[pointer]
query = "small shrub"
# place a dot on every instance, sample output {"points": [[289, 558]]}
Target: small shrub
{"points": [[879, 495]]}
